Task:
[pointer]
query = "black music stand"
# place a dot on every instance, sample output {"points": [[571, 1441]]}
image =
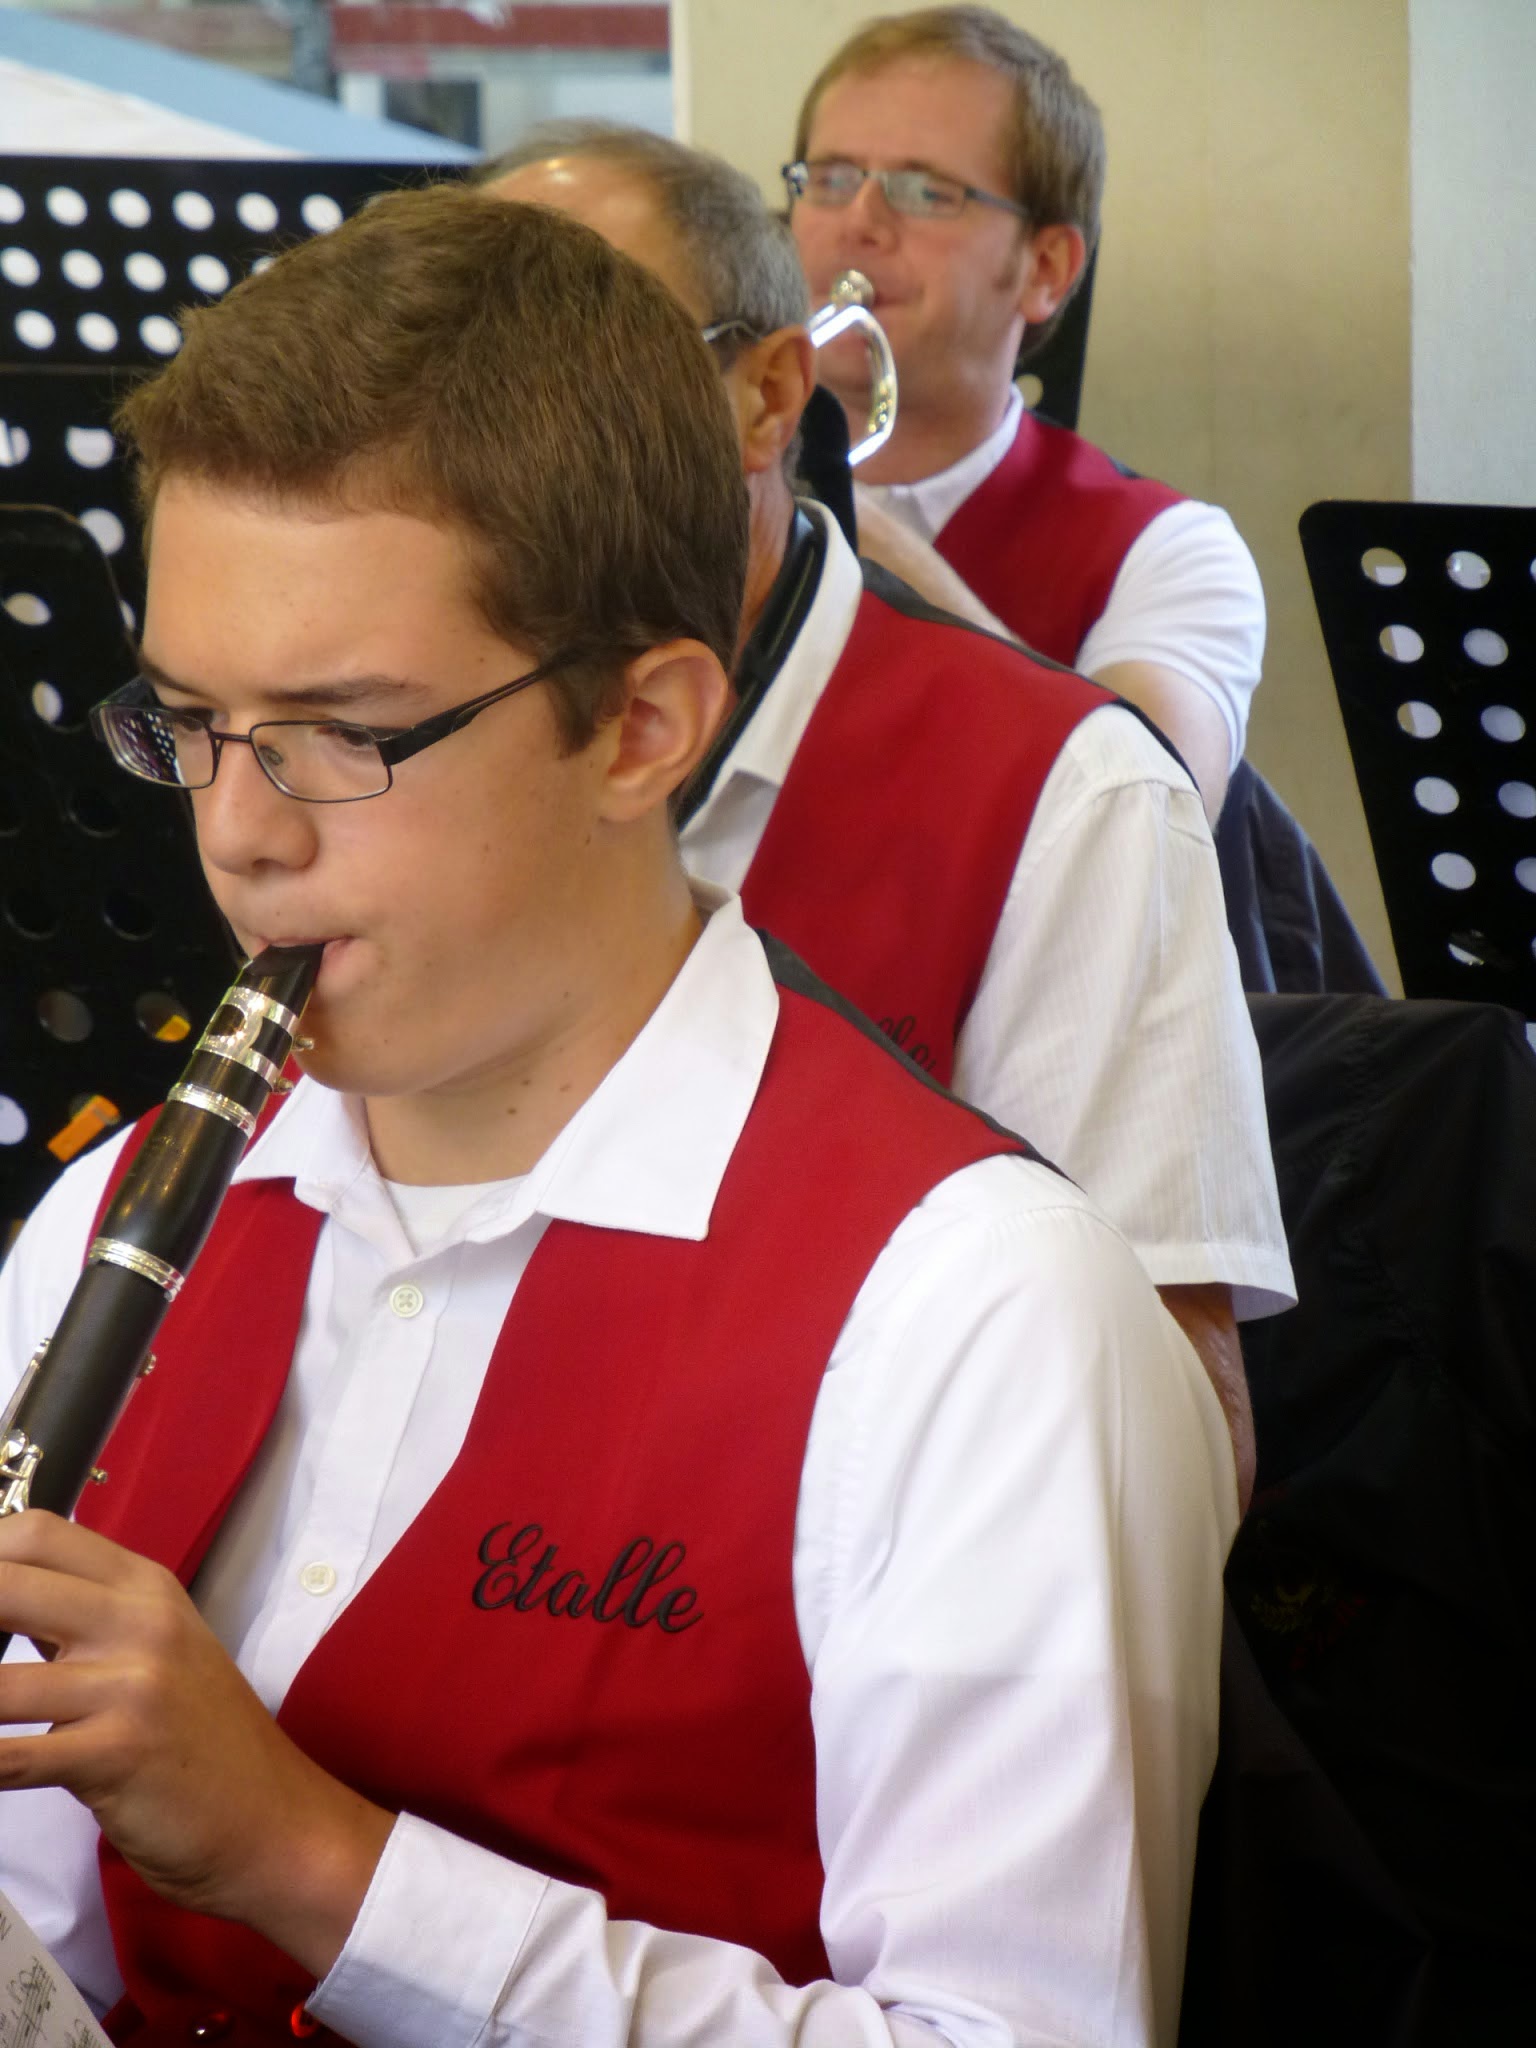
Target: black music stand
{"points": [[107, 934], [99, 257], [1429, 618], [110, 947]]}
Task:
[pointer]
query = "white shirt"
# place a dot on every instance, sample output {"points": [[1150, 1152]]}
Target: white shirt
{"points": [[1187, 595], [1109, 1026], [1016, 1500]]}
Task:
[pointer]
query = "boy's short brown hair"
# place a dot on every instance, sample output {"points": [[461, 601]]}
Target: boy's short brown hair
{"points": [[503, 370], [1055, 140]]}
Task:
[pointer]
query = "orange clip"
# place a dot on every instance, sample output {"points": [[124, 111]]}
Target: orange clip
{"points": [[89, 1121]]}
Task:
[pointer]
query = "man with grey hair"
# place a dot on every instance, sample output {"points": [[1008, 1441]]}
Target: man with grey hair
{"points": [[923, 810]]}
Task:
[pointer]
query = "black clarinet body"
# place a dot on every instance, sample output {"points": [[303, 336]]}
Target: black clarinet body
{"points": [[74, 1389]]}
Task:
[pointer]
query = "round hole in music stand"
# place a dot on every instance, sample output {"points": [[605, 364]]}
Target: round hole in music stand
{"points": [[1468, 570], [128, 208], [1502, 722], [81, 269], [209, 274], [194, 210], [30, 914], [67, 206], [27, 608], [96, 815], [1487, 648], [1434, 793], [129, 916], [89, 447], [1419, 720], [64, 1016], [1401, 643], [105, 528], [160, 334], [1453, 871], [161, 1016], [1383, 565], [19, 267], [146, 273], [33, 328]]}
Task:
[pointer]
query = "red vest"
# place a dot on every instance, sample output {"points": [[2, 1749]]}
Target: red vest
{"points": [[583, 1653], [1042, 539], [891, 846]]}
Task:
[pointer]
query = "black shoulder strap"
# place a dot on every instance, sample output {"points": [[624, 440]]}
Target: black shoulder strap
{"points": [[778, 625], [791, 972], [901, 597]]}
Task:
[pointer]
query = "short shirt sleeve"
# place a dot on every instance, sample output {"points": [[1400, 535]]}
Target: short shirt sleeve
{"points": [[1110, 1027], [1188, 597]]}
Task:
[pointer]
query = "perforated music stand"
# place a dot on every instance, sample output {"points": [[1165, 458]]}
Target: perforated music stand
{"points": [[107, 932], [106, 929], [98, 258], [1429, 618]]}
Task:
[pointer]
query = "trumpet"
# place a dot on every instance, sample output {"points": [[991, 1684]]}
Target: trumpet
{"points": [[848, 311], [77, 1383]]}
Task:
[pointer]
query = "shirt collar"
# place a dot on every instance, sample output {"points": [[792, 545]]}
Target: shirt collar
{"points": [[646, 1151], [767, 745], [927, 506]]}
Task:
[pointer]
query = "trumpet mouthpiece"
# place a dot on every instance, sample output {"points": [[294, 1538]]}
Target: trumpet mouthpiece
{"points": [[852, 288]]}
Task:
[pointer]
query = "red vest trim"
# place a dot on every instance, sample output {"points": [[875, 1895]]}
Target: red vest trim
{"points": [[891, 846], [584, 1653], [1041, 540]]}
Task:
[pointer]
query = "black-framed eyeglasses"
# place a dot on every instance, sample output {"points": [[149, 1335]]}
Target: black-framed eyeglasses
{"points": [[317, 760], [926, 195]]}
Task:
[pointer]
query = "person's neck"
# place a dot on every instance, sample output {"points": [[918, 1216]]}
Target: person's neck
{"points": [[929, 439], [498, 1123], [772, 505]]}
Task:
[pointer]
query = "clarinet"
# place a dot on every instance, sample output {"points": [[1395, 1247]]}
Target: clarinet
{"points": [[78, 1381]]}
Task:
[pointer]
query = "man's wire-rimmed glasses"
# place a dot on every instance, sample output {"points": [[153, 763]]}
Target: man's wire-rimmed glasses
{"points": [[317, 760], [926, 195]]}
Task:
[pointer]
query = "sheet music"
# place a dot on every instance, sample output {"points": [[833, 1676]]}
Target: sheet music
{"points": [[39, 2007]]}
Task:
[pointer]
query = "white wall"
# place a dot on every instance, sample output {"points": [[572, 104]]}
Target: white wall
{"points": [[1474, 265]]}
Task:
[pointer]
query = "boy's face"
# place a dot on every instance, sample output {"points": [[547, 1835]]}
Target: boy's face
{"points": [[454, 905]]}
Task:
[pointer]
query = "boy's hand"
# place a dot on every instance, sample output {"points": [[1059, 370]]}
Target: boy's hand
{"points": [[155, 1730]]}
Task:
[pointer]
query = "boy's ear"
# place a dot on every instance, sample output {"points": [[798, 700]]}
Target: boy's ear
{"points": [[676, 696]]}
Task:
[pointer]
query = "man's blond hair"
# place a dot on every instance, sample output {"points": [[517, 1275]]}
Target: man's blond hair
{"points": [[1055, 138]]}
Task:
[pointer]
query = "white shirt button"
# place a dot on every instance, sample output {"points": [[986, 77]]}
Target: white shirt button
{"points": [[317, 1578], [407, 1300]]}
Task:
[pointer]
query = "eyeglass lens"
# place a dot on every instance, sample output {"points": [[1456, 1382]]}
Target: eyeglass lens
{"points": [[320, 762], [908, 191]]}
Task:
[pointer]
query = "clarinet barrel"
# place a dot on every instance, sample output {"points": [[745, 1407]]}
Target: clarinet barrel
{"points": [[74, 1389]]}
